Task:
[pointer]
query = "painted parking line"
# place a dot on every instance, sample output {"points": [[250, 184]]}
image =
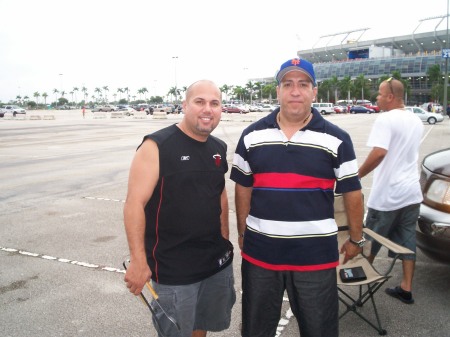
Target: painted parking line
{"points": [[61, 260]]}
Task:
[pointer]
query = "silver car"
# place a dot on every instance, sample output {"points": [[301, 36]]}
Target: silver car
{"points": [[425, 116]]}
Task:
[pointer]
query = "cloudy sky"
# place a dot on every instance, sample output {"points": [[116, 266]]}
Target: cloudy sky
{"points": [[160, 44]]}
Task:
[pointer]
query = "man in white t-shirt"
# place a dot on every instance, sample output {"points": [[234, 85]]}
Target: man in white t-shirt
{"points": [[394, 202]]}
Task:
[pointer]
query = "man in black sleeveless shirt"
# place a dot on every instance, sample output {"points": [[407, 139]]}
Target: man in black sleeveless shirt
{"points": [[176, 219]]}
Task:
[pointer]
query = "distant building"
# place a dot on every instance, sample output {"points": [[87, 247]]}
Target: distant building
{"points": [[411, 55]]}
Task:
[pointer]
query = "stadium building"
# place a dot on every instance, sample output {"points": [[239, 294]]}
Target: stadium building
{"points": [[411, 55]]}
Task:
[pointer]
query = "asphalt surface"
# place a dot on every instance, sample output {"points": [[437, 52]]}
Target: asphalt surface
{"points": [[62, 240]]}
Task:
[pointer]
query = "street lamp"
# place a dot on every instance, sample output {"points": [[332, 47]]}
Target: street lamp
{"points": [[445, 103], [61, 81], [175, 58]]}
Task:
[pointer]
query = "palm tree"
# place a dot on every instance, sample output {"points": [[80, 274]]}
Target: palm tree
{"points": [[173, 92], [324, 91], [63, 93], [140, 94], [184, 89], [238, 91], [85, 93], [434, 74], [128, 93], [250, 88], [334, 86], [346, 85], [120, 91], [45, 97], [270, 90], [259, 86], [106, 89], [99, 92], [361, 85], [75, 89], [144, 90], [225, 89], [55, 91], [36, 95]]}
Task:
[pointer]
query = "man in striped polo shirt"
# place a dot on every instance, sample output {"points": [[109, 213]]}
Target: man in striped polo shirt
{"points": [[287, 168]]}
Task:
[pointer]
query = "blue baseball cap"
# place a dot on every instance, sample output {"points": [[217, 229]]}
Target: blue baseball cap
{"points": [[297, 65]]}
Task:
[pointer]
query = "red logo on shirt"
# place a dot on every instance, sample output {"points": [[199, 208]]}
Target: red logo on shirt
{"points": [[217, 157]]}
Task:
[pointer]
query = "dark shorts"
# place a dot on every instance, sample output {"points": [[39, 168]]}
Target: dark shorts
{"points": [[204, 305], [313, 297], [398, 226]]}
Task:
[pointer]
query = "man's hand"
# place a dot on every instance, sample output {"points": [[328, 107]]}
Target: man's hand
{"points": [[350, 250], [138, 273]]}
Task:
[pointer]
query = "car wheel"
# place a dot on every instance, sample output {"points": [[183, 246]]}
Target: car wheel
{"points": [[352, 111], [14, 114], [432, 120], [322, 112]]}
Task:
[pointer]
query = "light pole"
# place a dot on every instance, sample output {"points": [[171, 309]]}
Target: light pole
{"points": [[61, 81], [445, 103], [175, 58]]}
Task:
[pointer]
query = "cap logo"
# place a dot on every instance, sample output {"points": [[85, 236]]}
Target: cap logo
{"points": [[295, 62]]}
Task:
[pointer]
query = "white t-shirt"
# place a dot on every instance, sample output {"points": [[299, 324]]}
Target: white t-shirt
{"points": [[396, 179]]}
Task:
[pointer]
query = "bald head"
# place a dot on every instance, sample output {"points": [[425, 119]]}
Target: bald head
{"points": [[390, 95], [201, 83], [396, 87]]}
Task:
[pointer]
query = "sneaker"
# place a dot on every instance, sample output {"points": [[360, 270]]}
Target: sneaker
{"points": [[402, 295]]}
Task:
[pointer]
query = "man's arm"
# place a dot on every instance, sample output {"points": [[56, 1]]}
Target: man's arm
{"points": [[224, 216], [354, 208], [374, 159], [144, 173], [242, 197]]}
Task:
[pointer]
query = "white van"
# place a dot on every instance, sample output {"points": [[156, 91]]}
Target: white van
{"points": [[324, 108]]}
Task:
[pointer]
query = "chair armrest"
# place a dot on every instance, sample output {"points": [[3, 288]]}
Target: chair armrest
{"points": [[392, 246]]}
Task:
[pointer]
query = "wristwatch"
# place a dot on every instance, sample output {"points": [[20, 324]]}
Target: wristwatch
{"points": [[359, 243]]}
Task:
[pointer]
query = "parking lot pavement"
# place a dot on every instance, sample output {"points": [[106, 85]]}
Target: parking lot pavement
{"points": [[62, 240]]}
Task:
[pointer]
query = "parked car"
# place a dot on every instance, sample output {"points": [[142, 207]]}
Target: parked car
{"points": [[433, 226], [363, 102], [145, 107], [164, 108], [232, 109], [127, 110], [64, 107], [245, 108], [254, 108], [13, 109], [425, 116], [266, 108], [104, 108], [339, 109], [356, 109], [324, 108], [374, 107]]}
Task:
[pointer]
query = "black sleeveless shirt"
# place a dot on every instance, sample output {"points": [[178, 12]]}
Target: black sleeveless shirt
{"points": [[183, 239]]}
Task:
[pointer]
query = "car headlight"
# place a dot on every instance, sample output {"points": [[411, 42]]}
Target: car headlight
{"points": [[439, 192]]}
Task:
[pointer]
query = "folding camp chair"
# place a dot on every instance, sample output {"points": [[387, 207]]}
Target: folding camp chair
{"points": [[374, 279]]}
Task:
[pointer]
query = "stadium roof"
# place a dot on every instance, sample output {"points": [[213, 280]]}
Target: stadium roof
{"points": [[415, 43]]}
